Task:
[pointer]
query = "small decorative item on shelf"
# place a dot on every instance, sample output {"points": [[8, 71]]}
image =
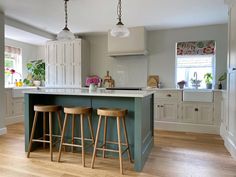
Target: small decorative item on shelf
{"points": [[108, 82], [221, 79], [208, 80], [181, 84]]}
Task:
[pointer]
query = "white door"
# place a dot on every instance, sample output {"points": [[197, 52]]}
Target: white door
{"points": [[205, 113], [189, 112]]}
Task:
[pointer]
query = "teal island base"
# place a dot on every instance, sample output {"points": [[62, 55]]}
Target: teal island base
{"points": [[139, 120]]}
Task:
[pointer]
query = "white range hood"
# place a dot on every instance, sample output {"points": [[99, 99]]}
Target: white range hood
{"points": [[135, 44]]}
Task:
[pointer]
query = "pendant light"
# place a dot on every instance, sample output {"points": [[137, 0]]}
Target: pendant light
{"points": [[120, 30], [65, 34]]}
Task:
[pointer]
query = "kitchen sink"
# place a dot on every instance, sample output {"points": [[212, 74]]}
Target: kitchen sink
{"points": [[198, 95]]}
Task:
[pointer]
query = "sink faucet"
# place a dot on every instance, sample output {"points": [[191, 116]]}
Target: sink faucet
{"points": [[196, 82]]}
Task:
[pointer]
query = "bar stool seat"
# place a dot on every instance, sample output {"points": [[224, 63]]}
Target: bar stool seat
{"points": [[82, 111], [45, 109], [119, 115]]}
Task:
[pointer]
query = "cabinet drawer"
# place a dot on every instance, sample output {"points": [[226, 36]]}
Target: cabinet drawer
{"points": [[168, 94]]}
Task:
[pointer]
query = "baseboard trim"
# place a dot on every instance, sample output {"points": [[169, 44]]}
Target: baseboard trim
{"points": [[230, 146], [3, 130], [187, 127], [13, 120]]}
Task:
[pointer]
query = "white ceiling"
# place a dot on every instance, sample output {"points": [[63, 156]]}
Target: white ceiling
{"points": [[100, 15]]}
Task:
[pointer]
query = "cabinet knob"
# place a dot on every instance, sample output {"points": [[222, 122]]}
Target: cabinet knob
{"points": [[169, 95], [162, 106], [196, 109], [233, 69]]}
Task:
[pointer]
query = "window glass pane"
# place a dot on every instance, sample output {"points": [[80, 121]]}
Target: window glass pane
{"points": [[188, 65], [13, 66]]}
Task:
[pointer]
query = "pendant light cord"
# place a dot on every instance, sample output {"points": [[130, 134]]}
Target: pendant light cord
{"points": [[66, 16], [119, 11]]}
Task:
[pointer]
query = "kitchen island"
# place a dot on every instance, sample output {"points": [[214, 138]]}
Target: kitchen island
{"points": [[139, 120]]}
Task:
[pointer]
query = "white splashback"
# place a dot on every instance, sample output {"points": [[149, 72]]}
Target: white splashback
{"points": [[131, 71]]}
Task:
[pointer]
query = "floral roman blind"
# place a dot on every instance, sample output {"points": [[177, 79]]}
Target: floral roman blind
{"points": [[12, 50], [196, 48]]}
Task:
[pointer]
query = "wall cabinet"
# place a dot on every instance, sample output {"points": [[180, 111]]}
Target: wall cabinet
{"points": [[67, 63]]}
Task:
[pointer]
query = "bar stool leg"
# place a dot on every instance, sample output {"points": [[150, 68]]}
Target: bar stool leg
{"points": [[126, 138], [119, 144], [50, 134], [44, 129], [96, 141], [104, 136], [82, 137], [59, 121], [62, 137], [73, 132], [32, 133], [91, 127]]}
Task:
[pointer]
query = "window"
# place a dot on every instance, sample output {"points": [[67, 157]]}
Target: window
{"points": [[13, 65], [193, 61]]}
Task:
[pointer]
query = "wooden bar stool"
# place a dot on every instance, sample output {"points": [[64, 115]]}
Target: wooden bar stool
{"points": [[45, 109], [82, 111], [119, 114]]}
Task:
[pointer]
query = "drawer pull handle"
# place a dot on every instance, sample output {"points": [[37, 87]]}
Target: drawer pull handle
{"points": [[169, 95]]}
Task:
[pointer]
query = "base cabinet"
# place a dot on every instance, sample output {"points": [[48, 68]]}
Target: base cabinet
{"points": [[166, 111], [173, 114], [14, 109], [201, 113]]}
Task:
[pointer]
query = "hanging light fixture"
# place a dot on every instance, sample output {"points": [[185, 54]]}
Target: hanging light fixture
{"points": [[119, 30], [65, 34]]}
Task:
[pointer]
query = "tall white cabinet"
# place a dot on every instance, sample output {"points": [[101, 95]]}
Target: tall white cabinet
{"points": [[67, 63], [228, 124]]}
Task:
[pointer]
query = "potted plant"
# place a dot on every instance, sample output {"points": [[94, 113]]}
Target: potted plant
{"points": [[222, 78], [208, 80], [181, 84], [36, 73]]}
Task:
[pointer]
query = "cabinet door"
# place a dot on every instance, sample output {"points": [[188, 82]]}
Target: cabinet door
{"points": [[168, 111], [18, 106], [8, 103], [205, 113], [189, 112], [231, 104], [50, 75], [157, 112]]}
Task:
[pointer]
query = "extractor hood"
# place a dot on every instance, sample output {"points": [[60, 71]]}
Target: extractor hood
{"points": [[134, 44]]}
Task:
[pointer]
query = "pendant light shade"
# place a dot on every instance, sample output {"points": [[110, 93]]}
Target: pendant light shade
{"points": [[65, 34], [119, 30]]}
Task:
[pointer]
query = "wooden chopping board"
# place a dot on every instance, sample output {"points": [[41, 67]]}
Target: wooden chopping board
{"points": [[153, 81]]}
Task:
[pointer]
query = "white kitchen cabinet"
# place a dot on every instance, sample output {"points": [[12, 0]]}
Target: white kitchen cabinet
{"points": [[14, 109], [67, 63], [166, 110], [189, 113], [200, 113]]}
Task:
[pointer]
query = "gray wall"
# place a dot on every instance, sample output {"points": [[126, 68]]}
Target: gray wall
{"points": [[29, 52], [1, 71], [161, 58], [161, 45]]}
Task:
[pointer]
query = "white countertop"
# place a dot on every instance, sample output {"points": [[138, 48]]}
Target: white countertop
{"points": [[86, 92]]}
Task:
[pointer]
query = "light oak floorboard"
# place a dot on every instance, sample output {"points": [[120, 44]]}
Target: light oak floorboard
{"points": [[174, 155]]}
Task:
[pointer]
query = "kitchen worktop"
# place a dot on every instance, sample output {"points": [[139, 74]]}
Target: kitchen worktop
{"points": [[86, 92]]}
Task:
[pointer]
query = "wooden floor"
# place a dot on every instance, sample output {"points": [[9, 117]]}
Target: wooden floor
{"points": [[173, 155]]}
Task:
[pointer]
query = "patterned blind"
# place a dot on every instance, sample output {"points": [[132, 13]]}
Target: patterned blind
{"points": [[196, 48], [12, 50]]}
